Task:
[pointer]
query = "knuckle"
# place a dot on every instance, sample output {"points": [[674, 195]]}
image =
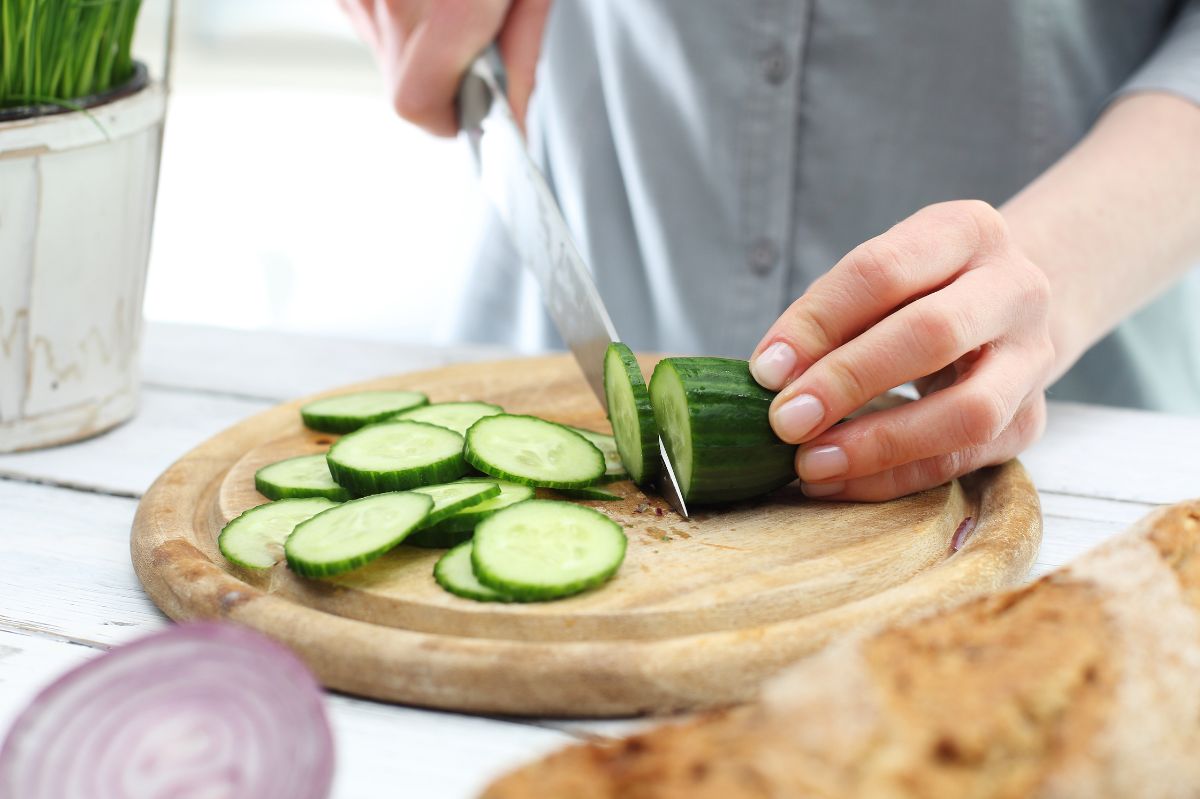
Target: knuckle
{"points": [[1030, 422], [813, 335], [850, 384], [940, 333], [1033, 285], [977, 218], [987, 222], [877, 266], [982, 415], [888, 447], [936, 471]]}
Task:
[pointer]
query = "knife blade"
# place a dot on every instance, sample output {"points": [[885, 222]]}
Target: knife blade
{"points": [[530, 213]]}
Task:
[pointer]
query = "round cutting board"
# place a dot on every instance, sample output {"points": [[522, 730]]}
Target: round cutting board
{"points": [[701, 611]]}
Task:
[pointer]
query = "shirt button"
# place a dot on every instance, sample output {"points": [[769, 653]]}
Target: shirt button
{"points": [[775, 64], [763, 255]]}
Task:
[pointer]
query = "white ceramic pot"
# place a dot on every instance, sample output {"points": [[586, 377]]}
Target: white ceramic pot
{"points": [[76, 210]]}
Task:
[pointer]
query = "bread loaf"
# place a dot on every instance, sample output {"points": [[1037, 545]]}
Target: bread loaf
{"points": [[1083, 684]]}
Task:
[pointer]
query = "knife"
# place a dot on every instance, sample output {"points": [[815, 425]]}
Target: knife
{"points": [[530, 213]]}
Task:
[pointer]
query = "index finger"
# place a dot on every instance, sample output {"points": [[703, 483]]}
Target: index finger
{"points": [[916, 256]]}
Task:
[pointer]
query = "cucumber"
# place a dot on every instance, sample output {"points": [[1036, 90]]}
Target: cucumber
{"points": [[347, 412], [456, 416], [712, 416], [441, 536], [545, 549], [396, 456], [614, 469], [450, 498], [461, 526], [348, 535], [255, 539], [590, 494], [533, 452], [303, 476], [454, 573], [630, 413]]}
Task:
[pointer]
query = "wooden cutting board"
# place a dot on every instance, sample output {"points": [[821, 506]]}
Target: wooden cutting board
{"points": [[701, 611]]}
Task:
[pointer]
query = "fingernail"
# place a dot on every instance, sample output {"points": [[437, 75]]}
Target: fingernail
{"points": [[818, 490], [798, 417], [774, 365], [822, 463]]}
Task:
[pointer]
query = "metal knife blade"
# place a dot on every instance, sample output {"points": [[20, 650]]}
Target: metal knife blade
{"points": [[530, 213], [536, 226]]}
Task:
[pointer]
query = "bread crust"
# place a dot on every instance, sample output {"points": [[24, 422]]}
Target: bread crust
{"points": [[1082, 684]]}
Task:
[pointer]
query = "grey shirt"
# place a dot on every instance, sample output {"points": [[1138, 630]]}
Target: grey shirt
{"points": [[713, 158]]}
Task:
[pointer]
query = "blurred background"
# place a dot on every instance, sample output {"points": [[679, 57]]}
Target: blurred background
{"points": [[291, 197]]}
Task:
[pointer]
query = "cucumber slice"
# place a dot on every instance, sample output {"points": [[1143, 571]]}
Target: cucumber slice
{"points": [[450, 498], [303, 476], [630, 413], [353, 533], [461, 526], [456, 416], [440, 536], [614, 469], [712, 416], [590, 494], [454, 573], [255, 539], [534, 452], [545, 549], [347, 412], [396, 456]]}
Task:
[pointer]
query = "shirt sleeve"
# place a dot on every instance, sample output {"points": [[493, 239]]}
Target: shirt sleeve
{"points": [[1175, 66]]}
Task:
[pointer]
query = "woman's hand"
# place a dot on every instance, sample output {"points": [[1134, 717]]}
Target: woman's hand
{"points": [[946, 299], [425, 46]]}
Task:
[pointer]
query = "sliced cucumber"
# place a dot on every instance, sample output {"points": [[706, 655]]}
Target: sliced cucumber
{"points": [[712, 416], [353, 533], [255, 539], [456, 416], [630, 413], [396, 456], [461, 526], [347, 412], [545, 549], [590, 494], [534, 452], [614, 469], [454, 573], [450, 498], [441, 536], [303, 476]]}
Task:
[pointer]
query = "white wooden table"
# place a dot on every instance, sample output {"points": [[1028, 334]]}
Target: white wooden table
{"points": [[67, 589]]}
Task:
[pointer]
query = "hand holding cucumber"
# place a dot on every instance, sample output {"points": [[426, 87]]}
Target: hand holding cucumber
{"points": [[946, 299]]}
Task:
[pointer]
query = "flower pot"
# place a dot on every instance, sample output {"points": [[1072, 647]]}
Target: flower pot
{"points": [[77, 197]]}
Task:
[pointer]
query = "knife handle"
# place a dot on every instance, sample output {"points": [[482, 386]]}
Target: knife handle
{"points": [[484, 81]]}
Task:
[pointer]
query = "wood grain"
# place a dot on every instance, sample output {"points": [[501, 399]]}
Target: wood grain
{"points": [[699, 614]]}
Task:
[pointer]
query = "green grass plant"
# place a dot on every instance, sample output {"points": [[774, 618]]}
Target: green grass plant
{"points": [[57, 51]]}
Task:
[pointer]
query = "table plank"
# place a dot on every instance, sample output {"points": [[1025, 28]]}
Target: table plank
{"points": [[414, 752], [1116, 453], [283, 366], [65, 567], [126, 460]]}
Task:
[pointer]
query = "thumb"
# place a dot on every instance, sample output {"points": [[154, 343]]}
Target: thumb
{"points": [[520, 43]]}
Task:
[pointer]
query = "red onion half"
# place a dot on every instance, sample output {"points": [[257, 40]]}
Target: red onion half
{"points": [[199, 711]]}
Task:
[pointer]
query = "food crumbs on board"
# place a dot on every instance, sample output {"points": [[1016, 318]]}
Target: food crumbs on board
{"points": [[642, 507], [658, 512]]}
